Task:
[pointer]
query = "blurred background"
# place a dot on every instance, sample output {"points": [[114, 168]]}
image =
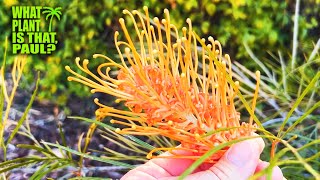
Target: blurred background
{"points": [[87, 27]]}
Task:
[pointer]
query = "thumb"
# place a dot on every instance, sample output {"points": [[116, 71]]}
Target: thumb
{"points": [[239, 162]]}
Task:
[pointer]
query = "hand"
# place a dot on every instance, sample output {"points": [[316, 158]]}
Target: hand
{"points": [[239, 162]]}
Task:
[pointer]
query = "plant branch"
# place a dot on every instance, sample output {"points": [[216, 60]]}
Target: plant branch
{"points": [[295, 34]]}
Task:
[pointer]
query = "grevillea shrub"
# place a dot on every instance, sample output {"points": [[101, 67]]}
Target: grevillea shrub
{"points": [[173, 84]]}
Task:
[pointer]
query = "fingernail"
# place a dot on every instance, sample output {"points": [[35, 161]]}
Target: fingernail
{"points": [[240, 153]]}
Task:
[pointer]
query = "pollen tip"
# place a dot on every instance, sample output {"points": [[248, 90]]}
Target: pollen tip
{"points": [[166, 11], [117, 101], [145, 8], [77, 59], [175, 45], [93, 91], [183, 75], [121, 20], [95, 56], [127, 49], [203, 40], [188, 20], [197, 136], [184, 39], [96, 100], [86, 61], [149, 156], [117, 83], [237, 83], [217, 42], [112, 121], [116, 33], [210, 38], [170, 123], [184, 29], [164, 21], [258, 73], [118, 130], [155, 51], [70, 78], [67, 68], [219, 125], [156, 19], [134, 127]]}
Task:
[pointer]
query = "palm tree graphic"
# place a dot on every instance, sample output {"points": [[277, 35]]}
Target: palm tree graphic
{"points": [[51, 13]]}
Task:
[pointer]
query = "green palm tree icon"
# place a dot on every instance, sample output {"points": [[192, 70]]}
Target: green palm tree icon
{"points": [[51, 13]]}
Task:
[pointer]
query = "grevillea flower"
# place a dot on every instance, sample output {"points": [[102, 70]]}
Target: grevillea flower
{"points": [[173, 85]]}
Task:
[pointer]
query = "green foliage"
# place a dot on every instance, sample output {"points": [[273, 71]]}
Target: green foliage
{"points": [[46, 159], [49, 161], [289, 100], [7, 97], [87, 27]]}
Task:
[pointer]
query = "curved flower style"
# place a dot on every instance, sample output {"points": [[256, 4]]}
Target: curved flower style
{"points": [[171, 86]]}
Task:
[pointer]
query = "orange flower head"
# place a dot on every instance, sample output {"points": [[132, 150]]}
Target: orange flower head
{"points": [[173, 85]]}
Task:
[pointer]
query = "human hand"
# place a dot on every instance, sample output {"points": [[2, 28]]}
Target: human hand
{"points": [[240, 162]]}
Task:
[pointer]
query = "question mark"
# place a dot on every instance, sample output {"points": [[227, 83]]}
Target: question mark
{"points": [[50, 48]]}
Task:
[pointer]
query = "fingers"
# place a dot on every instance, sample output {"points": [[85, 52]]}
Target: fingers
{"points": [[148, 171], [137, 175], [239, 162], [161, 167], [174, 166], [276, 171]]}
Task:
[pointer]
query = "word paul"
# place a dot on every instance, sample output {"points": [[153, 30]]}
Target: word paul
{"points": [[27, 36]]}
